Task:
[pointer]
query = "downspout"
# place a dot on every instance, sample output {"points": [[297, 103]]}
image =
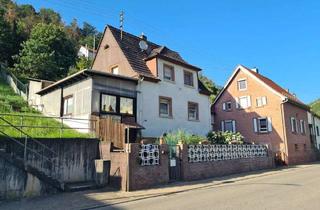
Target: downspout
{"points": [[61, 102], [128, 159], [139, 101], [284, 128]]}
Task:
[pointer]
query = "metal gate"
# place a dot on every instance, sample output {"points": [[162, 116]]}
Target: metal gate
{"points": [[174, 163]]}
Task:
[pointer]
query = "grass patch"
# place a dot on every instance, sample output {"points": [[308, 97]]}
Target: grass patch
{"points": [[11, 103]]}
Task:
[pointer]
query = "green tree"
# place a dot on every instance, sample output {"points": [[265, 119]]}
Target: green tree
{"points": [[49, 16], [88, 30], [211, 86], [81, 64], [47, 54], [6, 41]]}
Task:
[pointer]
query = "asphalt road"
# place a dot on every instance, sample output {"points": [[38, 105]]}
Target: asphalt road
{"points": [[296, 189]]}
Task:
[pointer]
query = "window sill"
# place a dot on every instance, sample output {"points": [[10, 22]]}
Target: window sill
{"points": [[169, 81], [264, 133], [189, 86], [242, 90], [193, 120], [166, 117]]}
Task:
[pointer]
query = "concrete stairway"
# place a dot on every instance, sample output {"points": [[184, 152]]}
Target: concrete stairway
{"points": [[79, 186], [19, 163]]}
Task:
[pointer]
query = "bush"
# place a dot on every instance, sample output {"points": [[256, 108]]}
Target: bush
{"points": [[225, 137], [182, 136]]}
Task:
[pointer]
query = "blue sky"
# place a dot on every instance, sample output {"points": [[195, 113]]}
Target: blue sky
{"points": [[281, 38]]}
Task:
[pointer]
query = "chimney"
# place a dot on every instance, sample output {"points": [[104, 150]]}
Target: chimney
{"points": [[255, 69], [143, 37]]}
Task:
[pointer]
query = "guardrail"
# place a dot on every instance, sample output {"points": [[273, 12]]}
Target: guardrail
{"points": [[19, 87], [48, 124]]}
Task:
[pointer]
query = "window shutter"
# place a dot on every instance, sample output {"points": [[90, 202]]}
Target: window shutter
{"points": [[224, 106], [237, 103], [255, 125], [249, 101], [269, 124], [264, 100], [234, 126], [304, 126], [222, 126], [297, 126]]}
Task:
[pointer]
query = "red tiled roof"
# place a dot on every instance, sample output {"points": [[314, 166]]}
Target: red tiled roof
{"points": [[276, 87]]}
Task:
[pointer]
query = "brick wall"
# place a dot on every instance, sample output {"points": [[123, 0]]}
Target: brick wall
{"points": [[142, 177], [299, 145], [280, 140], [118, 170], [244, 117], [203, 170], [125, 166]]}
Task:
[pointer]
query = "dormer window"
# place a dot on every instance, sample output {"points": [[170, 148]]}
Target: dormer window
{"points": [[115, 70], [242, 84], [188, 78], [168, 72]]}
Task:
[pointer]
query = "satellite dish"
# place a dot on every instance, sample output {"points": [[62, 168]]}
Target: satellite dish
{"points": [[143, 45]]}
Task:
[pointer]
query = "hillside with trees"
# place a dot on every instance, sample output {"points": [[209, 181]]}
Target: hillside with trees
{"points": [[39, 44], [315, 107]]}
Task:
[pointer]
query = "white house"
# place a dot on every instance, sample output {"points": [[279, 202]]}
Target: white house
{"points": [[314, 126], [86, 52], [169, 93], [148, 86]]}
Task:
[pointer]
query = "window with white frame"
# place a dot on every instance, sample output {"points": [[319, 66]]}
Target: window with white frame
{"points": [[243, 102], [165, 106], [261, 101], [294, 127], [302, 127], [242, 84], [115, 70], [193, 111], [262, 125], [188, 78], [68, 105], [228, 125], [227, 106], [168, 72]]}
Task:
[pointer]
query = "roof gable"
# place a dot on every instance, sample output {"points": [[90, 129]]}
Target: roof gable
{"points": [[129, 44], [268, 83]]}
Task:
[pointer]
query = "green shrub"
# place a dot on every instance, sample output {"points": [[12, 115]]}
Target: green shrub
{"points": [[225, 137], [181, 136]]}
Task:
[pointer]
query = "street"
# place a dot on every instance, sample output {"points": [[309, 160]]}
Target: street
{"points": [[292, 188]]}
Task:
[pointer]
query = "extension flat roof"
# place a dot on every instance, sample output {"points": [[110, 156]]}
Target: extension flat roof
{"points": [[80, 76]]}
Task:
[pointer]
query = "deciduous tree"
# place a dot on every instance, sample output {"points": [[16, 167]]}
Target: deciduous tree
{"points": [[47, 54]]}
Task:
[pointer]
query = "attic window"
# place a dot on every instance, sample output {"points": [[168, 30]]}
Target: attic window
{"points": [[242, 84], [115, 70], [168, 72]]}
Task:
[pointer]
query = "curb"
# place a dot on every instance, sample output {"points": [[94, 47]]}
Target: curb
{"points": [[212, 183]]}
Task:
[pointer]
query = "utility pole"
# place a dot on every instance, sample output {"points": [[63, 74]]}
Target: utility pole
{"points": [[121, 23]]}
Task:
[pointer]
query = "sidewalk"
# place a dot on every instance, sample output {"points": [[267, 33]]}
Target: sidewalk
{"points": [[94, 199]]}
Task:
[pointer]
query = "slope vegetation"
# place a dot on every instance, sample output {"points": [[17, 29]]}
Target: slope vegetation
{"points": [[14, 109]]}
